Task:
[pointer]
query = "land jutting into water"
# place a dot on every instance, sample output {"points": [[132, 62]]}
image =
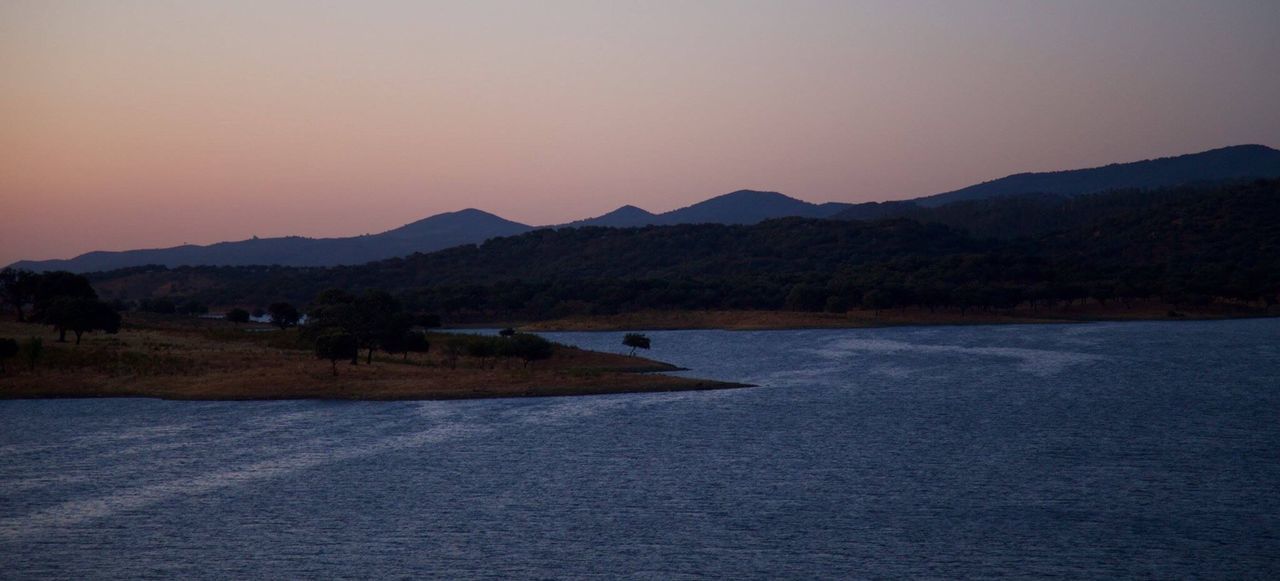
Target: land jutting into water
{"points": [[188, 358]]}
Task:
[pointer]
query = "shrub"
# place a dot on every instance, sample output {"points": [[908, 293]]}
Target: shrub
{"points": [[334, 345], [238, 316], [8, 349], [32, 350]]}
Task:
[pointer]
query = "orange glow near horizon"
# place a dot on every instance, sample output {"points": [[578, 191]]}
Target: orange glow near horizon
{"points": [[141, 124]]}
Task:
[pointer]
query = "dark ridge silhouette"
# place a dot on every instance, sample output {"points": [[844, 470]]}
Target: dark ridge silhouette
{"points": [[435, 233], [744, 207], [454, 228], [625, 217], [1216, 165], [748, 207], [877, 210], [1193, 245], [740, 207]]}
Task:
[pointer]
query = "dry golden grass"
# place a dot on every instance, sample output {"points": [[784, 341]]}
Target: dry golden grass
{"points": [[176, 358]]}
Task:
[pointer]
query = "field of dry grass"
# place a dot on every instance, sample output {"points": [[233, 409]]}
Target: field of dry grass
{"points": [[176, 358]]}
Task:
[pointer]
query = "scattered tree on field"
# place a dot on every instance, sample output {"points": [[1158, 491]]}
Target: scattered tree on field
{"points": [[335, 344], [283, 315], [32, 349], [80, 316], [8, 349], [238, 316]]}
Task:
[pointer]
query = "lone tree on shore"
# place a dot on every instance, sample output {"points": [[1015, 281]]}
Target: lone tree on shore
{"points": [[334, 345], [635, 341], [8, 348], [238, 316], [283, 315]]}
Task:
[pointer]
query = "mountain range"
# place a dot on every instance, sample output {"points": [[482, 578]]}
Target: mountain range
{"points": [[745, 207]]}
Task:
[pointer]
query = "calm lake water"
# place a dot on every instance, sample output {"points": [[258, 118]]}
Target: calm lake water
{"points": [[1100, 450]]}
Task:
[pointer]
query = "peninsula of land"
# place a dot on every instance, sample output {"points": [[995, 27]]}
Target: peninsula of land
{"points": [[200, 359]]}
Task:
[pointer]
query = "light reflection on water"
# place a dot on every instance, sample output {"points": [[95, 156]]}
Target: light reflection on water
{"points": [[1137, 449]]}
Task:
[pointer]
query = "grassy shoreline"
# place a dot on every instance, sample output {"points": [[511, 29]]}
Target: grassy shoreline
{"points": [[193, 359]]}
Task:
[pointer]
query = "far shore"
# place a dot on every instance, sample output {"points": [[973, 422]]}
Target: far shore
{"points": [[782, 320], [195, 359]]}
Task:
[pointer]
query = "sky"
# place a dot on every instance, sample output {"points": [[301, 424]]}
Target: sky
{"points": [[128, 124]]}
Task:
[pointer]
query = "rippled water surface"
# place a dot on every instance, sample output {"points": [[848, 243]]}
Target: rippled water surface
{"points": [[1136, 449]]}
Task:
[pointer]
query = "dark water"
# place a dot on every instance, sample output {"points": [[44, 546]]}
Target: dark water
{"points": [[1104, 450]]}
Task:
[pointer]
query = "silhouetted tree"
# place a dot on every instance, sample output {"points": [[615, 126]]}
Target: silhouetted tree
{"points": [[371, 318], [529, 347], [54, 286], [507, 332], [394, 336], [806, 297], [193, 308], [378, 316], [406, 343], [283, 315], [453, 348], [635, 341], [238, 316], [482, 348], [80, 316], [159, 306], [415, 342], [877, 299], [336, 344], [32, 349], [17, 289], [8, 349]]}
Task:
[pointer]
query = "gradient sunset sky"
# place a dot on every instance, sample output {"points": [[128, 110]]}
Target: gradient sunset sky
{"points": [[148, 124]]}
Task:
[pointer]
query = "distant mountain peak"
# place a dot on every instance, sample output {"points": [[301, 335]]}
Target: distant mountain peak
{"points": [[754, 194], [627, 216], [743, 207], [467, 220]]}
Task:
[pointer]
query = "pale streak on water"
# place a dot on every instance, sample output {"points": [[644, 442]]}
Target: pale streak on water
{"points": [[1102, 450]]}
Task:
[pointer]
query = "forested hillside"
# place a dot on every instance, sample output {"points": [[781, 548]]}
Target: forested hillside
{"points": [[1216, 165], [1184, 246]]}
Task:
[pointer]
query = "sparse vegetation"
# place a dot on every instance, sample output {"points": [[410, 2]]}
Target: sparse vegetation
{"points": [[1193, 249]]}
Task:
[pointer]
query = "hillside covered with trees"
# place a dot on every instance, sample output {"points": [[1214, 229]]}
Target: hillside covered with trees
{"points": [[1184, 246]]}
